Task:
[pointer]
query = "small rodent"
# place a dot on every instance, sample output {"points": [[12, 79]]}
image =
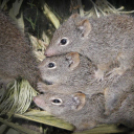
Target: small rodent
{"points": [[85, 112], [76, 108], [16, 53], [105, 40], [72, 72]]}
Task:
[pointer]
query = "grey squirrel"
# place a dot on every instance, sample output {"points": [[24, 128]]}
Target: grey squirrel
{"points": [[105, 40], [16, 54], [74, 108], [72, 72], [85, 112]]}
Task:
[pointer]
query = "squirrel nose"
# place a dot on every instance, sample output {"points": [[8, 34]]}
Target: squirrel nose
{"points": [[49, 52]]}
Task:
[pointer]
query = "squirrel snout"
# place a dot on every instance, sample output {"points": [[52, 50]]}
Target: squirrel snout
{"points": [[49, 52]]}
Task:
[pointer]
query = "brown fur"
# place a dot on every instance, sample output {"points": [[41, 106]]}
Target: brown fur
{"points": [[62, 79], [16, 54], [106, 40], [91, 113]]}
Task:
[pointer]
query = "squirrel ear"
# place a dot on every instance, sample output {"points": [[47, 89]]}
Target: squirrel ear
{"points": [[73, 59], [85, 27], [80, 100]]}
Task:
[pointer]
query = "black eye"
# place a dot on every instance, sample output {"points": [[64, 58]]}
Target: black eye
{"points": [[56, 101], [63, 41], [51, 65], [43, 40], [41, 92]]}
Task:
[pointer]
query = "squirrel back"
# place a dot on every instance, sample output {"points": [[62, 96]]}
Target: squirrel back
{"points": [[16, 53]]}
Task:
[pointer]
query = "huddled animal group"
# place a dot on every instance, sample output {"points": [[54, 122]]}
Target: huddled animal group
{"points": [[88, 76]]}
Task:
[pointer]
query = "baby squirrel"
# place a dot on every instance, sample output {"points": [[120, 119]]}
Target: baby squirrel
{"points": [[85, 112], [72, 72], [16, 53], [105, 40], [77, 109]]}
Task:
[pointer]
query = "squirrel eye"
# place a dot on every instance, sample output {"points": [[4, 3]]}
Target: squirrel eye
{"points": [[57, 101], [63, 41], [51, 65]]}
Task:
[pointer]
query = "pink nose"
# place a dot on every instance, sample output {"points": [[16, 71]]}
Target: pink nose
{"points": [[49, 52], [36, 100]]}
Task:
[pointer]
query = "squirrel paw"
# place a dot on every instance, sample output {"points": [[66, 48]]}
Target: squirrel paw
{"points": [[40, 87]]}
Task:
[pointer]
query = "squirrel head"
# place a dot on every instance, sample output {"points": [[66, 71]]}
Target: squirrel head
{"points": [[77, 108], [64, 68], [65, 38], [60, 104]]}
